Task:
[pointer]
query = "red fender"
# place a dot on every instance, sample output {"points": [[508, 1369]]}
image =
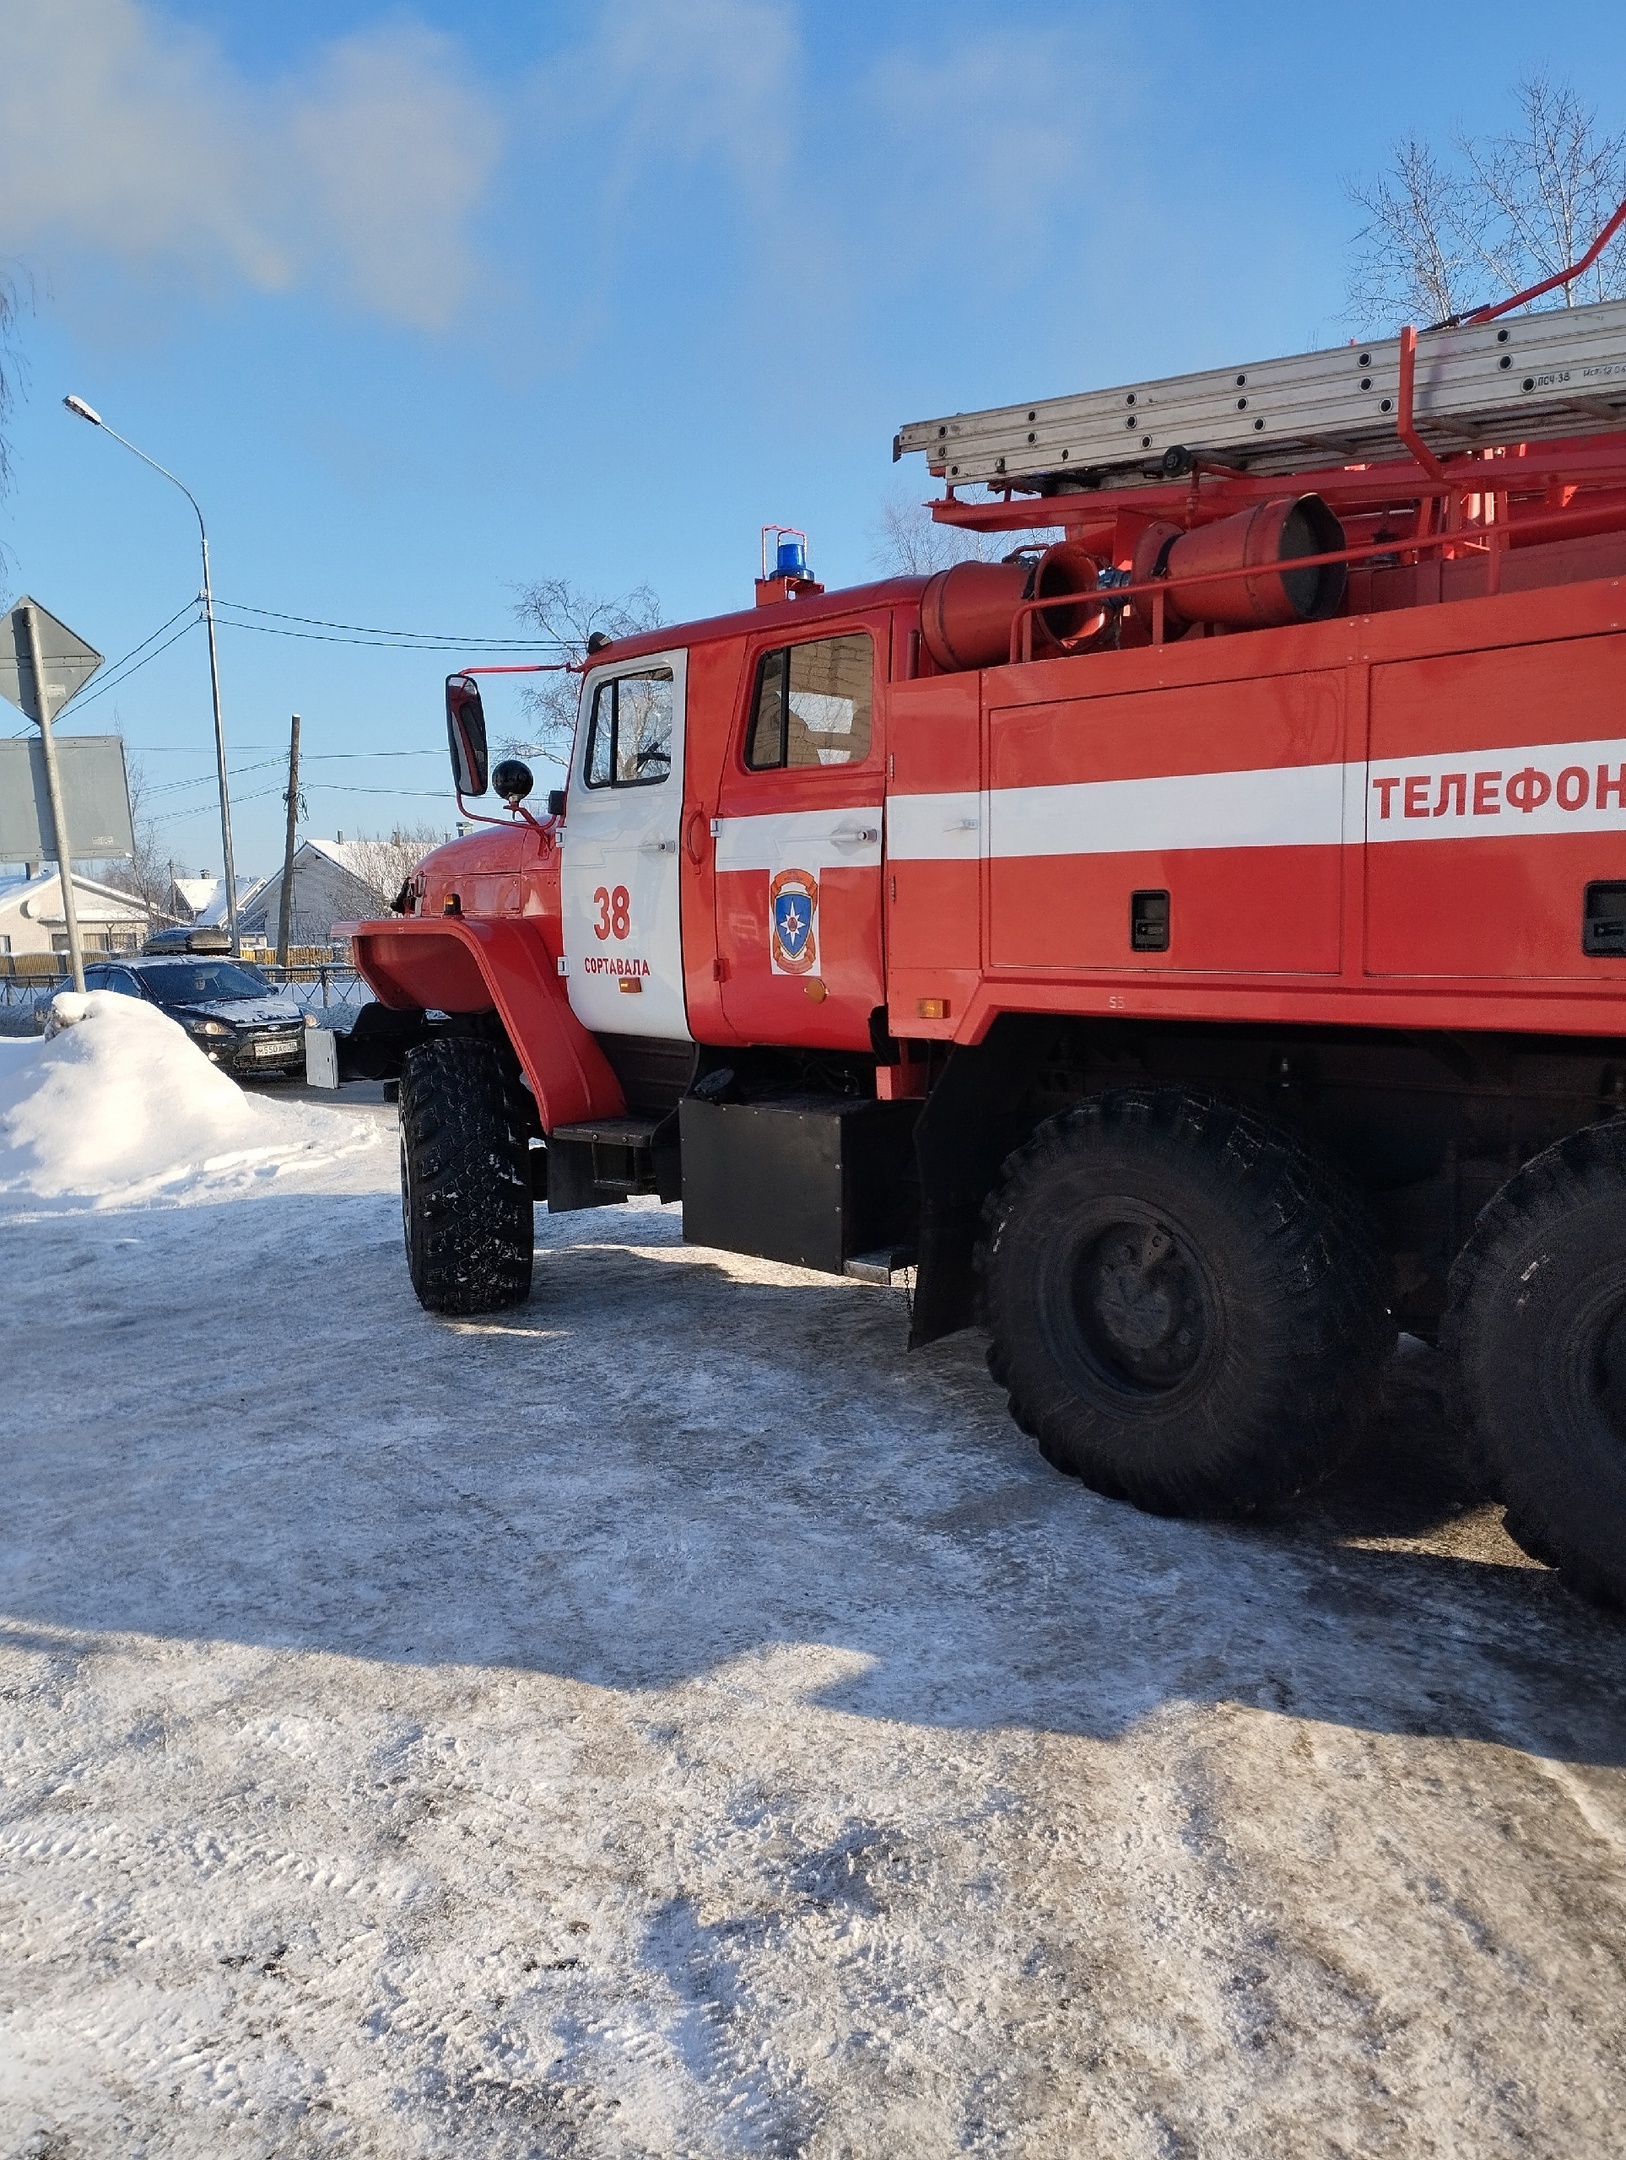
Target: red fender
{"points": [[458, 964]]}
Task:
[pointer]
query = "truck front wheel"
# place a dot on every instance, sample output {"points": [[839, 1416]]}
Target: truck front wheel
{"points": [[1187, 1310], [1537, 1327], [466, 1209]]}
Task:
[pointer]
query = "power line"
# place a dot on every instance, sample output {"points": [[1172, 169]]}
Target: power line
{"points": [[333, 787], [117, 682], [238, 772], [343, 787], [167, 787], [112, 678], [436, 639], [375, 644]]}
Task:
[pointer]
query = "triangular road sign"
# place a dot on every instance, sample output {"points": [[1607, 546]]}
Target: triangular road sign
{"points": [[69, 661]]}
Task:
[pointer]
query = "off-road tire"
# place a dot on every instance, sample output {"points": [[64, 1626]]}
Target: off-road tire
{"points": [[466, 1208], [1187, 1309], [1536, 1329]]}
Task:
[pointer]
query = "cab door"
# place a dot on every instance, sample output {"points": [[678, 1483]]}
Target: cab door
{"points": [[798, 840], [619, 866]]}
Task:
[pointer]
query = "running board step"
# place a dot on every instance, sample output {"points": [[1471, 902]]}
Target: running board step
{"points": [[604, 1160], [887, 1269], [610, 1131]]}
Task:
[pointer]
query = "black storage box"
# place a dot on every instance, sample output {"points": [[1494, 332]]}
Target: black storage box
{"points": [[808, 1179]]}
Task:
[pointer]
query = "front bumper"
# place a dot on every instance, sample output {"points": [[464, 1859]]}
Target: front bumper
{"points": [[245, 1055]]}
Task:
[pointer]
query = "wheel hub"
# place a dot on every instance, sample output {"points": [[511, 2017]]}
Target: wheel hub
{"points": [[1141, 1304]]}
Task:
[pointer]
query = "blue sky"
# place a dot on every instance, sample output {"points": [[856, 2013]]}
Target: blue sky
{"points": [[427, 302]]}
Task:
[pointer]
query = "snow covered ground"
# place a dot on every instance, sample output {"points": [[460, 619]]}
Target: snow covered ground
{"points": [[668, 1719]]}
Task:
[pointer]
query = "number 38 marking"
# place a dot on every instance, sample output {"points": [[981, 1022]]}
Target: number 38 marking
{"points": [[614, 912]]}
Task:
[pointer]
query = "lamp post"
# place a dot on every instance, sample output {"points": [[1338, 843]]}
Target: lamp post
{"points": [[85, 412]]}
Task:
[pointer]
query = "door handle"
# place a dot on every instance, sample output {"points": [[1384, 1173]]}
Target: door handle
{"points": [[694, 833], [856, 835], [657, 847]]}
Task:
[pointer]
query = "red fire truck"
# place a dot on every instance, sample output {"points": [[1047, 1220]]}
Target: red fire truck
{"points": [[1193, 945]]}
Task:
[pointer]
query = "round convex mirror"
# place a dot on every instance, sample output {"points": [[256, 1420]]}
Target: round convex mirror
{"points": [[512, 780]]}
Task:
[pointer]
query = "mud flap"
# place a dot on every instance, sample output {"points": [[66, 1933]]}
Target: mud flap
{"points": [[970, 1122]]}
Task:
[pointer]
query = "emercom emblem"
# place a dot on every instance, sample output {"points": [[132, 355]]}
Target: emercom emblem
{"points": [[793, 900]]}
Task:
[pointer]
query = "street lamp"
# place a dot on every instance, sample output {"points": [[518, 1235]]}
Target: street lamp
{"points": [[86, 412]]}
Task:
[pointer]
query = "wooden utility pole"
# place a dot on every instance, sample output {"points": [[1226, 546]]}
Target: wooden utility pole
{"points": [[287, 901]]}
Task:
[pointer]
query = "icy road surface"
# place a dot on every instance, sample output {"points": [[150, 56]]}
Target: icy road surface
{"points": [[667, 1719]]}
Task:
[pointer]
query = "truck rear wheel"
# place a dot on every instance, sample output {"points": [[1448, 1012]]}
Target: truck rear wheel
{"points": [[466, 1209], [1187, 1310], [1537, 1328]]}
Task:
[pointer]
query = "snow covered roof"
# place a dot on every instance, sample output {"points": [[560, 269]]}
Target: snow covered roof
{"points": [[356, 856], [40, 898], [204, 898], [214, 914], [332, 878]]}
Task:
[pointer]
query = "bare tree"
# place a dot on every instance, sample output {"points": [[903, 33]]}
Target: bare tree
{"points": [[1445, 235], [1550, 186], [386, 864], [1421, 253], [147, 874], [562, 611], [908, 542]]}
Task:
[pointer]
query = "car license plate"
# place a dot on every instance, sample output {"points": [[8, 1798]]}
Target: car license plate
{"points": [[280, 1047]]}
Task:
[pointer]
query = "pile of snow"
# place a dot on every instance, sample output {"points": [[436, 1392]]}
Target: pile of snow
{"points": [[116, 1104]]}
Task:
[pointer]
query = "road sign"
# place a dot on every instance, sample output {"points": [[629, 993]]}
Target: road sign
{"points": [[42, 664], [69, 662], [95, 797]]}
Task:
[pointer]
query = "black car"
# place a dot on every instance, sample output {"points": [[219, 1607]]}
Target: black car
{"points": [[236, 1018]]}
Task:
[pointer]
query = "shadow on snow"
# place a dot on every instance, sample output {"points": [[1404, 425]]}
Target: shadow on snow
{"points": [[236, 1424]]}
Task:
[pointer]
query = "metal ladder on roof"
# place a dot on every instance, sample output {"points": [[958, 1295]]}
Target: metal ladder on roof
{"points": [[1522, 378]]}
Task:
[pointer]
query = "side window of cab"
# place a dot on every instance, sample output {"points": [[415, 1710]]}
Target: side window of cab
{"points": [[811, 704], [629, 733]]}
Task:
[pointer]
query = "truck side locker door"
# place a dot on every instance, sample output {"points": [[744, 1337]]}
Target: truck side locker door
{"points": [[619, 880], [1188, 828], [1496, 811], [798, 843]]}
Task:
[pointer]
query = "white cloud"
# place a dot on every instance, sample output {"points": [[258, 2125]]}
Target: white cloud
{"points": [[984, 141], [128, 137], [689, 79]]}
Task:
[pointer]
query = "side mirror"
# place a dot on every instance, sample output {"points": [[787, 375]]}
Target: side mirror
{"points": [[556, 802], [466, 734]]}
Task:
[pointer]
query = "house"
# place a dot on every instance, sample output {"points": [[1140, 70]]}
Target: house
{"points": [[332, 882], [202, 899], [33, 922]]}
